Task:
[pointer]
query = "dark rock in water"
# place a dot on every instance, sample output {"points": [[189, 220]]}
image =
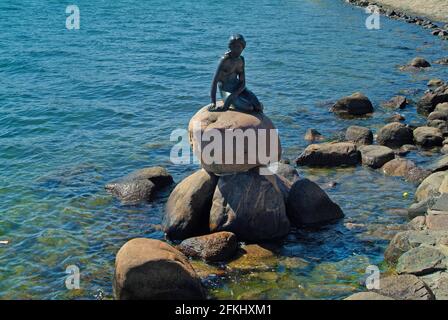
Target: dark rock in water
{"points": [[397, 102], [440, 165], [367, 296], [215, 247], [442, 125], [376, 156], [308, 204], [148, 269], [419, 62], [250, 205], [428, 137], [395, 118], [356, 105], [394, 135], [421, 260], [398, 167], [330, 154], [139, 185], [359, 135], [313, 135], [188, 206], [432, 98], [405, 287]]}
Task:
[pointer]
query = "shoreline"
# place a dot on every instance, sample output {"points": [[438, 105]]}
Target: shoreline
{"points": [[424, 15]]}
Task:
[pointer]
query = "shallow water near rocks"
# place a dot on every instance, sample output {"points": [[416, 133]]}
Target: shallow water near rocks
{"points": [[80, 108]]}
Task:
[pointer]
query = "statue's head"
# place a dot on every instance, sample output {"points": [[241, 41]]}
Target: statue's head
{"points": [[237, 44]]}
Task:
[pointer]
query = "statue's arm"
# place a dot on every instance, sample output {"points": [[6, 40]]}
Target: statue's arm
{"points": [[215, 83]]}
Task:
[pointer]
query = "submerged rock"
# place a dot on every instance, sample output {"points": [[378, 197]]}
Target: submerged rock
{"points": [[435, 83], [405, 287], [395, 135], [376, 156], [308, 204], [428, 137], [139, 185], [215, 247], [188, 206], [359, 135], [250, 205], [236, 135], [398, 102], [313, 135], [419, 62], [367, 296], [330, 154], [148, 269], [356, 104]]}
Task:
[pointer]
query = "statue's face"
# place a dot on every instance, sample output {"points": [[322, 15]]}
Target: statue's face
{"points": [[236, 48]]}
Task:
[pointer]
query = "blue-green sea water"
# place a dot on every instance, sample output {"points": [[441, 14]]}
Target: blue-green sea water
{"points": [[79, 108]]}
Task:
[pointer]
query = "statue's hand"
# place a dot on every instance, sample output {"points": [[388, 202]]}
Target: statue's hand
{"points": [[212, 107]]}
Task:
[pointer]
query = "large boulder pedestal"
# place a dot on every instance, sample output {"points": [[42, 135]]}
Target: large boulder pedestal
{"points": [[233, 141]]}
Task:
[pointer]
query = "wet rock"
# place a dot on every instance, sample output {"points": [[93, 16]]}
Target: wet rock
{"points": [[308, 204], [188, 206], [376, 156], [398, 167], [139, 185], [405, 149], [313, 135], [435, 83], [396, 117], [215, 247], [430, 186], [428, 137], [442, 125], [443, 61], [148, 269], [405, 287], [437, 222], [254, 210], [356, 104], [287, 171], [438, 283], [394, 135], [330, 154], [242, 131], [442, 107], [418, 223], [432, 98], [438, 115], [254, 257], [406, 240], [421, 260], [440, 165], [359, 135], [398, 102], [419, 62], [367, 296]]}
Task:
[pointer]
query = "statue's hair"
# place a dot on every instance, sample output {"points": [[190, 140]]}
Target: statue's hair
{"points": [[237, 38]]}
